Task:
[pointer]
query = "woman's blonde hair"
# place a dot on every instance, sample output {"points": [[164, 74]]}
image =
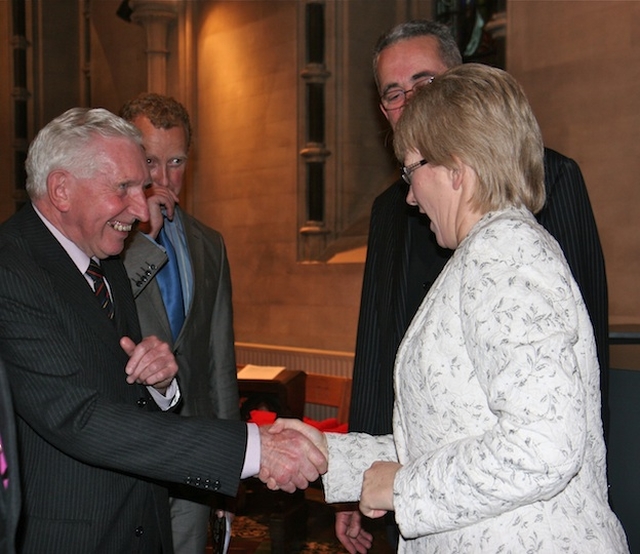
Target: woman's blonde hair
{"points": [[480, 115]]}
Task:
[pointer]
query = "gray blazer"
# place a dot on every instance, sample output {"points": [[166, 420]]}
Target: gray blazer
{"points": [[204, 349]]}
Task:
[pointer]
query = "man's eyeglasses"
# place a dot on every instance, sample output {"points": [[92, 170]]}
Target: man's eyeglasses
{"points": [[396, 97], [407, 170]]}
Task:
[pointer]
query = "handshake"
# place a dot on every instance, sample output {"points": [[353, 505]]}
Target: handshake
{"points": [[292, 455]]}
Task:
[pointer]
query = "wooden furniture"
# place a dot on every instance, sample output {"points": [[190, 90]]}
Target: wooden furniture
{"points": [[284, 394], [328, 390]]}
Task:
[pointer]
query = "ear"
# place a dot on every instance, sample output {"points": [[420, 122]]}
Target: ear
{"points": [[384, 112], [58, 187], [458, 172]]}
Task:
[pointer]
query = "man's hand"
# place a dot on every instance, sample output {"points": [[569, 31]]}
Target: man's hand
{"points": [[159, 200], [151, 363], [288, 459], [350, 532], [376, 498], [314, 435]]}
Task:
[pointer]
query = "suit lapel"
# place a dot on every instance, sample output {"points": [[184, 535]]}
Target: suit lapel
{"points": [[400, 246], [151, 309], [66, 281], [125, 312]]}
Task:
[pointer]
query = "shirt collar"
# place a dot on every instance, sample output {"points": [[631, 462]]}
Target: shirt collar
{"points": [[80, 259]]}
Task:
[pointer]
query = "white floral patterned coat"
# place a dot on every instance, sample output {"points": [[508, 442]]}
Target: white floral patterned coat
{"points": [[497, 413]]}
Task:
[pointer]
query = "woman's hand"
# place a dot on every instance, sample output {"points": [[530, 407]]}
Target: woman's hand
{"points": [[376, 498]]}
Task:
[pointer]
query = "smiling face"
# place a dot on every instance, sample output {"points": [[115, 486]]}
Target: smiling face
{"points": [[166, 153], [405, 64], [97, 212]]}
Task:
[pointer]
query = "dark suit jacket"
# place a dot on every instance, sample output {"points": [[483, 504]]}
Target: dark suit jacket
{"points": [[90, 444], [403, 260], [9, 497]]}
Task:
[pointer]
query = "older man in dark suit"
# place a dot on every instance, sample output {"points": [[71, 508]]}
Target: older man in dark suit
{"points": [[9, 478], [87, 390], [403, 259]]}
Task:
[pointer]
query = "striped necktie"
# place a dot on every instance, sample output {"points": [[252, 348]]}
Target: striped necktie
{"points": [[100, 287]]}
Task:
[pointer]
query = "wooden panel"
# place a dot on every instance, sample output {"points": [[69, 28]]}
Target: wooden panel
{"points": [[328, 390]]}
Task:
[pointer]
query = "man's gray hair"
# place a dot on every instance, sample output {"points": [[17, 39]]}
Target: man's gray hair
{"points": [[449, 50], [63, 144]]}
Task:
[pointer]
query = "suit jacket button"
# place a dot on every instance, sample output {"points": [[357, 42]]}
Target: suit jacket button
{"points": [[216, 485], [142, 402], [139, 531]]}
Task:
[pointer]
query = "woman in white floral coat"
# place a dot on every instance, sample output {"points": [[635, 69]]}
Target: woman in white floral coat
{"points": [[497, 443]]}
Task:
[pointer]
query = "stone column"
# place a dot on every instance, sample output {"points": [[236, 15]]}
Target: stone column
{"points": [[155, 16]]}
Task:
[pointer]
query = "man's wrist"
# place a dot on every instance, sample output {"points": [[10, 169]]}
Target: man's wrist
{"points": [[253, 452]]}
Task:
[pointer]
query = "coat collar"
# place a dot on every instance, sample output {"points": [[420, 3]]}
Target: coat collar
{"points": [[67, 281]]}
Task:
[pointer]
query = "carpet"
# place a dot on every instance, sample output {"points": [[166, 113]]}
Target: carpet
{"points": [[311, 529]]}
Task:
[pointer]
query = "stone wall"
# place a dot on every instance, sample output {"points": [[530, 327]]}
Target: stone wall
{"points": [[579, 63]]}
